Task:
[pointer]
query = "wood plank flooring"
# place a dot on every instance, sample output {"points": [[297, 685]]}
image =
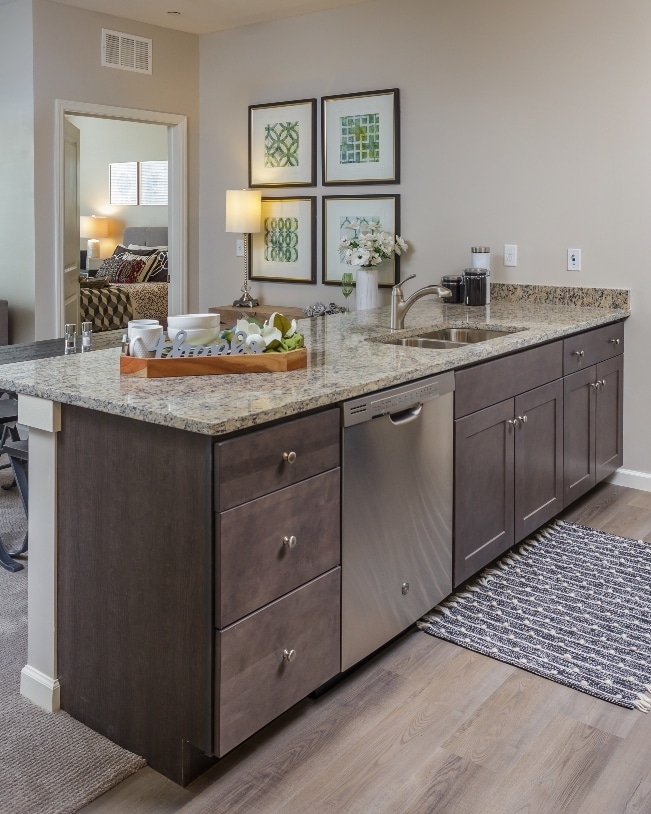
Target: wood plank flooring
{"points": [[430, 728]]}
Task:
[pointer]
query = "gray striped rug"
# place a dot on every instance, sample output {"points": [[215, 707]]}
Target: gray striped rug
{"points": [[571, 604]]}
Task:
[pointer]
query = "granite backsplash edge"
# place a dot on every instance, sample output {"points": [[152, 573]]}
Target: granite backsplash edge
{"points": [[561, 295]]}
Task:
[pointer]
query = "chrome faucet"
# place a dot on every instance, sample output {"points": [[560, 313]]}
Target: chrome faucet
{"points": [[400, 305]]}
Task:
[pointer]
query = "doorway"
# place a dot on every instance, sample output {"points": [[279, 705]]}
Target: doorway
{"points": [[177, 207]]}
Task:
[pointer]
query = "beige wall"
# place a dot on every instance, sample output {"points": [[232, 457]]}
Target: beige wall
{"points": [[17, 168], [525, 123], [67, 44], [104, 141]]}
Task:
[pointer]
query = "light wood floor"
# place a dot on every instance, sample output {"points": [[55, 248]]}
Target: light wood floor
{"points": [[427, 726]]}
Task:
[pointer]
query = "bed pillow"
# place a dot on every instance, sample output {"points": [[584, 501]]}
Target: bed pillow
{"points": [[124, 268], [156, 270], [143, 251]]}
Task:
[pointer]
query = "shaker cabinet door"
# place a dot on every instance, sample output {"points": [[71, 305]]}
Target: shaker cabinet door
{"points": [[609, 419], [483, 484], [580, 405], [538, 457]]}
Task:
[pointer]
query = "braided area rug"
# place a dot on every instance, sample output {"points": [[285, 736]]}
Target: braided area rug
{"points": [[571, 604], [49, 762]]}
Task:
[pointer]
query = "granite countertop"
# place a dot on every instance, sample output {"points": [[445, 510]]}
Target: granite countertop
{"points": [[346, 358]]}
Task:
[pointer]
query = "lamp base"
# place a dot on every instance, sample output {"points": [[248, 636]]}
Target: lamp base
{"points": [[246, 301]]}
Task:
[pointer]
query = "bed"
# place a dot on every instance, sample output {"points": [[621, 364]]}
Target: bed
{"points": [[131, 284]]}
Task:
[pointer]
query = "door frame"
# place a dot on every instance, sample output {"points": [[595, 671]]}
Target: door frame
{"points": [[177, 211]]}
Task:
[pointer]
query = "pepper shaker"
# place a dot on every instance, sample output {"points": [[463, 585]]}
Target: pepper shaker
{"points": [[70, 341]]}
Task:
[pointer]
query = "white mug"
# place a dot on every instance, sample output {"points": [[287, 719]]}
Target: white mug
{"points": [[140, 323], [149, 336]]}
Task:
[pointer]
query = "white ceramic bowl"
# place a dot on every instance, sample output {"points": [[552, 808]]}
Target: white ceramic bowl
{"points": [[194, 321], [199, 336]]}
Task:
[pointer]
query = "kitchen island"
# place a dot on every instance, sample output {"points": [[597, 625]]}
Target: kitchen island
{"points": [[133, 480]]}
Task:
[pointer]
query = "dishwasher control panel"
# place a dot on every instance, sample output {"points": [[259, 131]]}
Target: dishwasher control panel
{"points": [[386, 402]]}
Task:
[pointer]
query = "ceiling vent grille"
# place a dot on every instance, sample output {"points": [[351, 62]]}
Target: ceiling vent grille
{"points": [[126, 52]]}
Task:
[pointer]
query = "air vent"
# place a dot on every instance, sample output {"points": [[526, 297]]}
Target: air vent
{"points": [[126, 52]]}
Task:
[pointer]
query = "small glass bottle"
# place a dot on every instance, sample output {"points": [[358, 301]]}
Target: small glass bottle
{"points": [[86, 336], [70, 342]]}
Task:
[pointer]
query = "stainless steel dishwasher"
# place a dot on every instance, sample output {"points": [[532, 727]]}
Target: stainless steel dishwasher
{"points": [[396, 511]]}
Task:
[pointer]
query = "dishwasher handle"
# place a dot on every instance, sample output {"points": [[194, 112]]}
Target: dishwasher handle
{"points": [[406, 416]]}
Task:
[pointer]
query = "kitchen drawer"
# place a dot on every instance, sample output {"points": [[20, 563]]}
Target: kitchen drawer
{"points": [[254, 682], [254, 564], [491, 382], [592, 347], [263, 461]]}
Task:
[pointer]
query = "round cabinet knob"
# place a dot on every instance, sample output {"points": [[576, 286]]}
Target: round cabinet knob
{"points": [[579, 353], [602, 382], [522, 419], [290, 457], [594, 385], [290, 542], [614, 341], [289, 655], [512, 421]]}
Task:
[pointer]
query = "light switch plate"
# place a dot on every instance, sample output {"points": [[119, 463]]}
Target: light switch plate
{"points": [[239, 247]]}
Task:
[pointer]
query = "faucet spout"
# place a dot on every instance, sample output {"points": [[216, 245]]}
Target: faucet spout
{"points": [[400, 306]]}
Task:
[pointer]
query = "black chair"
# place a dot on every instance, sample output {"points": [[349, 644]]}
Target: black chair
{"points": [[16, 449]]}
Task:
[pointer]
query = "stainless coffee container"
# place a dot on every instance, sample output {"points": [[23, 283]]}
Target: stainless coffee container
{"points": [[475, 285]]}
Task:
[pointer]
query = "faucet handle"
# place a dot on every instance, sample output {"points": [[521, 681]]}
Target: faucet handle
{"points": [[397, 286]]}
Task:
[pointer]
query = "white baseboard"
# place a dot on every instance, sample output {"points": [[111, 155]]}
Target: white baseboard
{"points": [[44, 691], [632, 479]]}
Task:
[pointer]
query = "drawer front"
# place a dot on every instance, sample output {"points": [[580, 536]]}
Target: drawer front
{"points": [[270, 546], [254, 681], [491, 382], [261, 462], [592, 347]]}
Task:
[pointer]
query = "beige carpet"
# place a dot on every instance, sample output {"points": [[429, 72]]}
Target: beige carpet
{"points": [[49, 763]]}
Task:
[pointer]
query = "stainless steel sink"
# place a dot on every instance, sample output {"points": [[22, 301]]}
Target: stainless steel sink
{"points": [[443, 338]]}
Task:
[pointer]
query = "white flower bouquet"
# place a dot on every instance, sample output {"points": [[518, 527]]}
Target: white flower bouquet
{"points": [[368, 246]]}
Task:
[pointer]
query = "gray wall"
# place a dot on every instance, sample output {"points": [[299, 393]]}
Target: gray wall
{"points": [[172, 88], [522, 123], [17, 168]]}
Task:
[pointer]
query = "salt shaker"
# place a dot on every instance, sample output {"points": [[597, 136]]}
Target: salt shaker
{"points": [[481, 259], [70, 341], [86, 336]]}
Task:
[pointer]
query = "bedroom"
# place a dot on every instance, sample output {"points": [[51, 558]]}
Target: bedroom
{"points": [[114, 292]]}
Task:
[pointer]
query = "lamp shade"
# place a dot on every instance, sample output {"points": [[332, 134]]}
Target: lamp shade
{"points": [[93, 226], [243, 210]]}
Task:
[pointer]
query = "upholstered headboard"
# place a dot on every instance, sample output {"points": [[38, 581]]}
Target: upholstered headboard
{"points": [[145, 236]]}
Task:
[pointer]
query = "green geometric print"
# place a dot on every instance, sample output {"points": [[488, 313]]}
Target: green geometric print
{"points": [[360, 139], [281, 144], [281, 240]]}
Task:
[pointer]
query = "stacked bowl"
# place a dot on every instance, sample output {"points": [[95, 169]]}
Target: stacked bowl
{"points": [[200, 329]]}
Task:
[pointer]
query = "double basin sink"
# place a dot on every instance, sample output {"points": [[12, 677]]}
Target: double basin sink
{"points": [[448, 338]]}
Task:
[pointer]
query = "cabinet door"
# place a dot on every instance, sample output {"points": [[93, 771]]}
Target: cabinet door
{"points": [[609, 418], [579, 398], [483, 484], [538, 457]]}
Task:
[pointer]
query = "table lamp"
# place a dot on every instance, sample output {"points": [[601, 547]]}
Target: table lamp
{"points": [[243, 214], [93, 227]]}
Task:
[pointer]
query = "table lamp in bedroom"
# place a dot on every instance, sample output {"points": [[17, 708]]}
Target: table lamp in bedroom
{"points": [[92, 227], [243, 214]]}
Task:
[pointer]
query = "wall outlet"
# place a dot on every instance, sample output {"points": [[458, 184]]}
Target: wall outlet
{"points": [[574, 259], [510, 254], [239, 247]]}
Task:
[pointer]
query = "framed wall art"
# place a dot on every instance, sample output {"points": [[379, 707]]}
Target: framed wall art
{"points": [[361, 138], [346, 216], [282, 144], [285, 250]]}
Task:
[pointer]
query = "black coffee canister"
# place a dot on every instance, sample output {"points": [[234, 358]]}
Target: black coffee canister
{"points": [[475, 284], [456, 285]]}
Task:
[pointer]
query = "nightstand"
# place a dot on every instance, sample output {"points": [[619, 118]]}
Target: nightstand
{"points": [[228, 315]]}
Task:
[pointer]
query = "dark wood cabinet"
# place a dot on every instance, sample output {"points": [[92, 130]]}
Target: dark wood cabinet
{"points": [[533, 431], [508, 475], [593, 430], [174, 614]]}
